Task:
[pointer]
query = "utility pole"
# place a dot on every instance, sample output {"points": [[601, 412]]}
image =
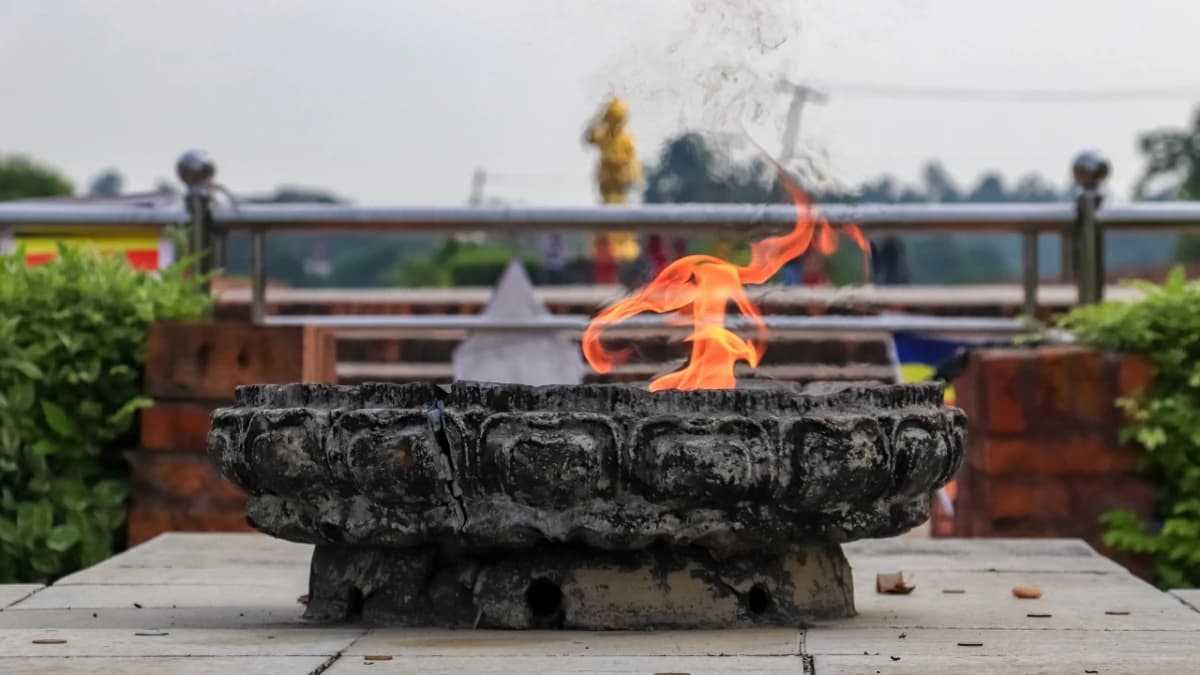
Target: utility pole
{"points": [[801, 95], [477, 182], [474, 199]]}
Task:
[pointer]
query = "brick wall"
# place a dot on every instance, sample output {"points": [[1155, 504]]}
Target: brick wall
{"points": [[191, 369], [1043, 457]]}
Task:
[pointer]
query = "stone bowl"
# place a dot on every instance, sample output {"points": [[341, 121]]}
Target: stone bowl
{"points": [[614, 467]]}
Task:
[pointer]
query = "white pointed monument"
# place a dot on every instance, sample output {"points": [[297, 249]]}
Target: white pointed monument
{"points": [[517, 357]]}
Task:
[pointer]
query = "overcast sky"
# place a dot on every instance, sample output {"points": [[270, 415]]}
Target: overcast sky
{"points": [[398, 102]]}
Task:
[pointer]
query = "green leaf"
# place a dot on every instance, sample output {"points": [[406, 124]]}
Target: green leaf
{"points": [[20, 397], [39, 485], [8, 531], [45, 562], [43, 518], [73, 496], [62, 538], [110, 493], [34, 520], [57, 420], [26, 368], [109, 519], [125, 412], [95, 546], [44, 448]]}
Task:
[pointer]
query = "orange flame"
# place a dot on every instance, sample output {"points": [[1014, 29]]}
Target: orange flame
{"points": [[697, 290]]}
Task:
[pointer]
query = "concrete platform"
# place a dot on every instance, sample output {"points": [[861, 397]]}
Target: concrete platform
{"points": [[228, 603]]}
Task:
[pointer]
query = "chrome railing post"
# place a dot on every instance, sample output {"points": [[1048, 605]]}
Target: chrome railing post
{"points": [[258, 276], [1067, 255], [1090, 170], [196, 169], [1029, 270]]}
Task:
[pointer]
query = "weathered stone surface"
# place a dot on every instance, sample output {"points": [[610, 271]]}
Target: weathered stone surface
{"points": [[585, 506], [613, 467], [560, 586]]}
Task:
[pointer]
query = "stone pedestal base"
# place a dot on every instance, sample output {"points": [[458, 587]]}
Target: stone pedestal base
{"points": [[563, 586]]}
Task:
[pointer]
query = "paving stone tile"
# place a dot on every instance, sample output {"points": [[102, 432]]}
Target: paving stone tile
{"points": [[1033, 642], [1077, 601], [175, 596], [107, 642], [232, 616], [1190, 596], [955, 664], [158, 665], [11, 594], [981, 555], [426, 642], [558, 665]]}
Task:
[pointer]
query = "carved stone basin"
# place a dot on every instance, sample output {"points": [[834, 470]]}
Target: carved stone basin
{"points": [[594, 506]]}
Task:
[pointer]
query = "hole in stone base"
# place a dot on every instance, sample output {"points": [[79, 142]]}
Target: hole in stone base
{"points": [[330, 532], [759, 599], [544, 599], [354, 602]]}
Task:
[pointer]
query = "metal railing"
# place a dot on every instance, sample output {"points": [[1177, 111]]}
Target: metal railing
{"points": [[1081, 224]]}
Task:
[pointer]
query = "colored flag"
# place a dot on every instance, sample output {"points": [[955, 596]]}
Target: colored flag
{"points": [[145, 250], [917, 358]]}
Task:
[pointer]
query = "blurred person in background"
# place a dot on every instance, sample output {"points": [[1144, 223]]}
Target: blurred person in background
{"points": [[604, 264], [554, 260]]}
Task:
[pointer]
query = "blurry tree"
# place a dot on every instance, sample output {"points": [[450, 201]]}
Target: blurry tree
{"points": [[285, 252], [990, 189], [356, 260], [690, 169], [1173, 171], [1172, 158], [1034, 188], [23, 178], [939, 186], [109, 183]]}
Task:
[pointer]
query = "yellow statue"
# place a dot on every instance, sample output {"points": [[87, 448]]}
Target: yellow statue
{"points": [[619, 168]]}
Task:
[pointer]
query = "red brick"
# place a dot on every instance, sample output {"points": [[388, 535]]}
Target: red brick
{"points": [[1093, 496], [1052, 386], [966, 397], [180, 427], [1035, 497], [1003, 404], [1052, 528], [207, 361], [1094, 399], [1134, 375], [1079, 455], [150, 519], [977, 524], [186, 477]]}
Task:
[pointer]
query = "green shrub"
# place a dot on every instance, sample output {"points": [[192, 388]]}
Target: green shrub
{"points": [[1164, 326], [72, 336], [456, 264]]}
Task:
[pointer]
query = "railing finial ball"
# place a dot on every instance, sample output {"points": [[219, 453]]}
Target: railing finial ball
{"points": [[1090, 169], [196, 168]]}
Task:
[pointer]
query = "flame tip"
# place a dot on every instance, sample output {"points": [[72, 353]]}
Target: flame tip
{"points": [[696, 289]]}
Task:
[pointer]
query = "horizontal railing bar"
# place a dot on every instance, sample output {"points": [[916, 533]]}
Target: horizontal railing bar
{"points": [[661, 218], [1149, 215], [575, 322], [664, 218], [89, 215]]}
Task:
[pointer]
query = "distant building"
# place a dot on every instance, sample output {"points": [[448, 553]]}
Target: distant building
{"points": [[144, 247]]}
